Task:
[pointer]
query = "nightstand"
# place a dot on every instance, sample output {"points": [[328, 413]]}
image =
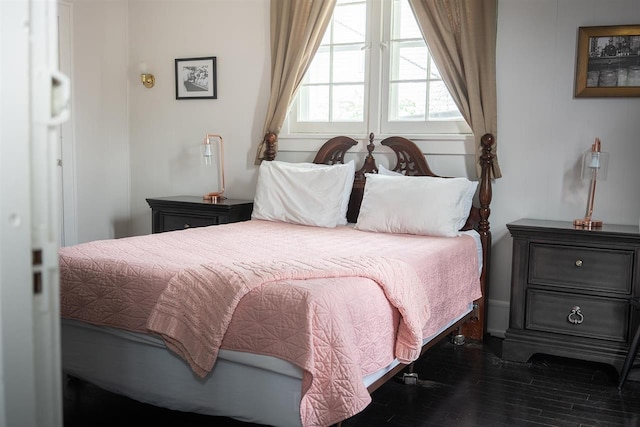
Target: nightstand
{"points": [[570, 291], [180, 212]]}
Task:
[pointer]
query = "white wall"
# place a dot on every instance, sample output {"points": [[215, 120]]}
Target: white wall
{"points": [[542, 128], [165, 132], [100, 110]]}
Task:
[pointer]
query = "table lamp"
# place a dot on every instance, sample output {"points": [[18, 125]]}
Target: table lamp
{"points": [[594, 167], [213, 147]]}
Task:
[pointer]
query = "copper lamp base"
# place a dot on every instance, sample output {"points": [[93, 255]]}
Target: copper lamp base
{"points": [[587, 223], [213, 197]]}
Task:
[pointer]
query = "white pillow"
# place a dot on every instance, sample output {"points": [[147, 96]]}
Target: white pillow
{"points": [[415, 204], [302, 194], [467, 199], [384, 171], [351, 170]]}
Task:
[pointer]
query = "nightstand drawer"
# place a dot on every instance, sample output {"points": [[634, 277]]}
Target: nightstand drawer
{"points": [[577, 315], [581, 267], [181, 222]]}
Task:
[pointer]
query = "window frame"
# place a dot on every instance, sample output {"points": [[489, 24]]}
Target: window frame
{"points": [[376, 97]]}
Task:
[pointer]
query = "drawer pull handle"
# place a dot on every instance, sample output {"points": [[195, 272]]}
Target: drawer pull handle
{"points": [[579, 263], [186, 226], [575, 317]]}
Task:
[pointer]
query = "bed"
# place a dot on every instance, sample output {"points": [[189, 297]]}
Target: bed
{"points": [[309, 318]]}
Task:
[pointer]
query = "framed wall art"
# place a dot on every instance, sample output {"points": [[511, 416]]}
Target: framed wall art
{"points": [[196, 78], [608, 62]]}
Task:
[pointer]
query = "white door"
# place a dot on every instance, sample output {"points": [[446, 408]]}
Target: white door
{"points": [[32, 99], [16, 298], [49, 109]]}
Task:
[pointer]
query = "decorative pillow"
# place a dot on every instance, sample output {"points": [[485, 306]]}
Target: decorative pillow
{"points": [[303, 194], [415, 204], [384, 171]]}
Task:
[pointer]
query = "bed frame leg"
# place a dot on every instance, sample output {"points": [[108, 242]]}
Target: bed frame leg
{"points": [[410, 378], [458, 338]]}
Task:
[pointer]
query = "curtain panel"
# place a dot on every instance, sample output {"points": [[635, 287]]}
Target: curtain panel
{"points": [[297, 29], [461, 35]]}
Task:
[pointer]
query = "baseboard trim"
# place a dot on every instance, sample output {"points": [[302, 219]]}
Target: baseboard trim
{"points": [[497, 317]]}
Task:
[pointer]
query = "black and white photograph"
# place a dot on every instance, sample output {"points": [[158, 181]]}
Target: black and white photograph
{"points": [[196, 78], [608, 61]]}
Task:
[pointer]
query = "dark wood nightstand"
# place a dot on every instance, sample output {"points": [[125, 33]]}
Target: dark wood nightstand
{"points": [[570, 291], [180, 212]]}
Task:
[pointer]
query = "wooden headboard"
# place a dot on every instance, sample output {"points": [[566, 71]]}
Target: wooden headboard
{"points": [[411, 161]]}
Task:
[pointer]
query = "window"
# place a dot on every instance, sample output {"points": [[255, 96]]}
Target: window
{"points": [[374, 78]]}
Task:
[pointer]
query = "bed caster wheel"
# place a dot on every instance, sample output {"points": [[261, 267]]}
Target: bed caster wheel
{"points": [[458, 339], [410, 378]]}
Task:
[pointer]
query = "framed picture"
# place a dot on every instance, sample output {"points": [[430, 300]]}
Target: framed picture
{"points": [[196, 78], [608, 61]]}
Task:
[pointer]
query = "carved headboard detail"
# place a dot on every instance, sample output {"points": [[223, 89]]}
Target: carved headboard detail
{"points": [[409, 158]]}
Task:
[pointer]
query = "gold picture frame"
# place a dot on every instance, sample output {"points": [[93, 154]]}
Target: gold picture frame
{"points": [[608, 61]]}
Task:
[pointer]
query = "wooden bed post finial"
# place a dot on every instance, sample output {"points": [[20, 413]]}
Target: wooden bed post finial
{"points": [[270, 139], [485, 193], [370, 145], [369, 165]]}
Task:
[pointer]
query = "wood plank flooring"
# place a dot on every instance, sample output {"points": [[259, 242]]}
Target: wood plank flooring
{"points": [[466, 385]]}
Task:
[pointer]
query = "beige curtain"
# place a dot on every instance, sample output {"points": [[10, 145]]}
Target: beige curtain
{"points": [[297, 28], [462, 39]]}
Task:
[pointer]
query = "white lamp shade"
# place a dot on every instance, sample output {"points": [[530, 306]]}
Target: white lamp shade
{"points": [[595, 165]]}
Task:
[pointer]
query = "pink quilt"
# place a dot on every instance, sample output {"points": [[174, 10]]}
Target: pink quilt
{"points": [[320, 324], [197, 336]]}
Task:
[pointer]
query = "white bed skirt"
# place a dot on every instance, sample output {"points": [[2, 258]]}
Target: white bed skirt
{"points": [[248, 387]]}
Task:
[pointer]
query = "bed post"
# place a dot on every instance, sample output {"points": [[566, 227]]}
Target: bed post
{"points": [[270, 139], [476, 328]]}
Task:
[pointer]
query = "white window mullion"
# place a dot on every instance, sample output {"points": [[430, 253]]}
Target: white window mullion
{"points": [[331, 71], [376, 91], [385, 65]]}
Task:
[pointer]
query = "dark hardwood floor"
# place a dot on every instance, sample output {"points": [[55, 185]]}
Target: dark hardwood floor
{"points": [[466, 385]]}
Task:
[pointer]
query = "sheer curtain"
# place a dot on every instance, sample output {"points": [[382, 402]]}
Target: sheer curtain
{"points": [[461, 35], [297, 28]]}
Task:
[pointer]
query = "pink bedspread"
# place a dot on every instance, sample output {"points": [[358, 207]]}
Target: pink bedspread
{"points": [[144, 281], [198, 335]]}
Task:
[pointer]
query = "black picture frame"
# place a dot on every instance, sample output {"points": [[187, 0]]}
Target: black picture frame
{"points": [[608, 61], [196, 78]]}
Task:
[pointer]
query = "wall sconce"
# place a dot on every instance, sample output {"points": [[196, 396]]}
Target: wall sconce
{"points": [[213, 147], [594, 166], [147, 79]]}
